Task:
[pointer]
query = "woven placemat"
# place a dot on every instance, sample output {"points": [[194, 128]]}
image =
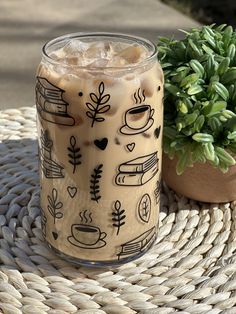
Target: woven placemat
{"points": [[191, 268]]}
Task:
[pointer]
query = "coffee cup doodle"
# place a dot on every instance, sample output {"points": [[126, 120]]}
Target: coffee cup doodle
{"points": [[87, 236], [138, 119]]}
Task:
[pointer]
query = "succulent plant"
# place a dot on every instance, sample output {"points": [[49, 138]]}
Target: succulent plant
{"points": [[200, 96]]}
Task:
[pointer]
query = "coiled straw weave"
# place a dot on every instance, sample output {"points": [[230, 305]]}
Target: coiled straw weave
{"points": [[191, 268]]}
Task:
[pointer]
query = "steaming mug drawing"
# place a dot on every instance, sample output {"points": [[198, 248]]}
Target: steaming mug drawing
{"points": [[138, 120], [87, 236]]}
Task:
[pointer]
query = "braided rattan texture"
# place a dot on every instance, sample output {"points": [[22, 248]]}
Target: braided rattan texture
{"points": [[191, 268]]}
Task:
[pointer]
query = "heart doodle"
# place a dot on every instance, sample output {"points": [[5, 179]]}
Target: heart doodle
{"points": [[72, 190], [157, 132], [101, 144], [130, 147], [55, 235]]}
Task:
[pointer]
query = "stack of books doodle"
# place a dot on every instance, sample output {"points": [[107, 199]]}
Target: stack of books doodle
{"points": [[138, 171]]}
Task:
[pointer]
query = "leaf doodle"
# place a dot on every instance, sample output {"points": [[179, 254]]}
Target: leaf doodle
{"points": [[98, 107], [54, 206], [94, 187], [74, 153], [118, 216]]}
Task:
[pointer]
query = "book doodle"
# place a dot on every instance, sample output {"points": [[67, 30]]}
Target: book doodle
{"points": [[139, 244], [50, 168], [137, 171], [50, 104]]}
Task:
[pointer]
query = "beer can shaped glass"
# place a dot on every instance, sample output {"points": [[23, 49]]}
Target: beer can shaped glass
{"points": [[99, 99]]}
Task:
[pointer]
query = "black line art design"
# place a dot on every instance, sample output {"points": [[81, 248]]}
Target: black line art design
{"points": [[98, 107], [138, 171], [157, 132], [72, 190], [85, 217], [55, 235], [137, 120], [50, 103], [74, 153], [54, 206], [87, 236], [94, 187], [102, 143], [138, 244], [139, 96], [130, 147], [50, 168], [118, 216], [157, 191], [144, 208], [43, 222]]}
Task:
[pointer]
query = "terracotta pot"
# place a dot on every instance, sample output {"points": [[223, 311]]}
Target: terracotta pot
{"points": [[201, 182]]}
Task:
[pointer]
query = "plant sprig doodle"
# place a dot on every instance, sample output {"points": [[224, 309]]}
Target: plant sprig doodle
{"points": [[96, 107], [54, 205], [118, 216], [94, 187], [74, 153]]}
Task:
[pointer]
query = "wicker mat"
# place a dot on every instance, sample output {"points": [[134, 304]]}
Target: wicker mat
{"points": [[191, 268]]}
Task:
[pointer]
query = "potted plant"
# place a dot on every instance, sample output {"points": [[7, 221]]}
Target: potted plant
{"points": [[200, 113]]}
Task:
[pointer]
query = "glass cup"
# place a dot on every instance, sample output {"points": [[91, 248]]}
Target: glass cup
{"points": [[100, 120]]}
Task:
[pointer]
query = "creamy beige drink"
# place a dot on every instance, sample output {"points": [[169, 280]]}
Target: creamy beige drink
{"points": [[99, 103]]}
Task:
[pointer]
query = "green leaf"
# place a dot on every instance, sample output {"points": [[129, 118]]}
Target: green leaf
{"points": [[198, 124], [223, 66], [229, 76], [231, 52], [209, 151], [182, 107], [182, 162], [203, 138], [197, 67], [221, 90], [189, 80], [194, 89], [214, 107], [232, 135], [224, 156], [169, 132]]}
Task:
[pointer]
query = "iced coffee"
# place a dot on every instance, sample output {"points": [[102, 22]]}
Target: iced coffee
{"points": [[99, 118]]}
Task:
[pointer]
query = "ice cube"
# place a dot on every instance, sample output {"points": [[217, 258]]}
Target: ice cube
{"points": [[75, 47], [132, 54]]}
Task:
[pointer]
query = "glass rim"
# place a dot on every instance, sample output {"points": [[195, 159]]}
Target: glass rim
{"points": [[132, 38]]}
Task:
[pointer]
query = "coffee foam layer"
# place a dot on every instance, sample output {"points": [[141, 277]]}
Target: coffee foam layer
{"points": [[101, 54]]}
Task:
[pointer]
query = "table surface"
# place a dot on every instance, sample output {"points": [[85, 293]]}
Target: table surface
{"points": [[190, 269]]}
